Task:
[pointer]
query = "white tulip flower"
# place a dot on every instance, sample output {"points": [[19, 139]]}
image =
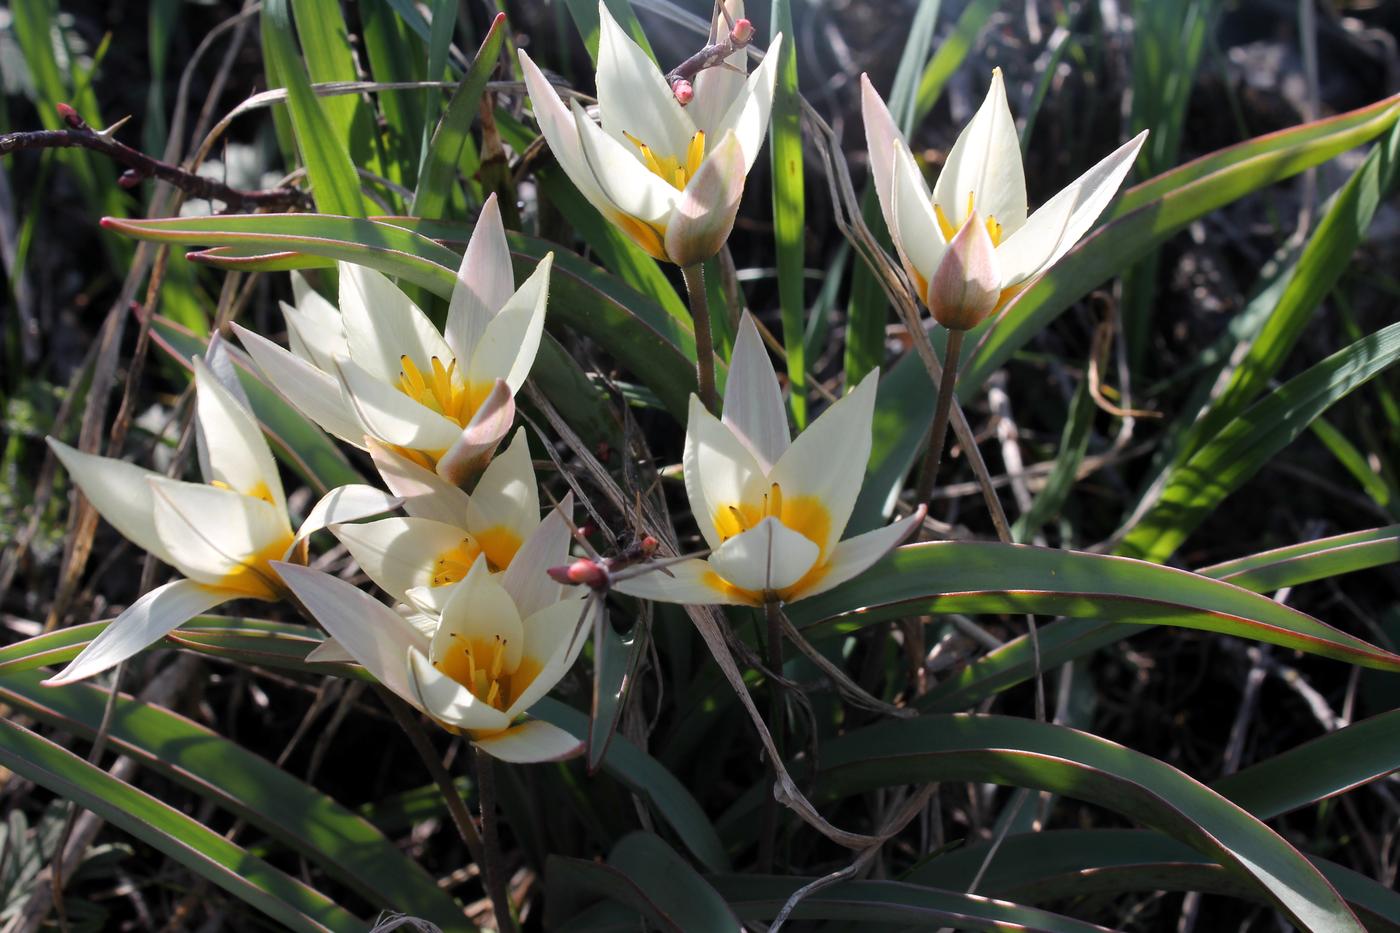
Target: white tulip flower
{"points": [[500, 643], [983, 183], [772, 508], [670, 177], [222, 534], [377, 368]]}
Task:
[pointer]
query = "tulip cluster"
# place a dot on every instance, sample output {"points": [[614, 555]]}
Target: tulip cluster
{"points": [[479, 628]]}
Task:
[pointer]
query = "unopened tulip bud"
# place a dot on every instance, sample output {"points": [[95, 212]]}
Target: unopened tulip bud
{"points": [[967, 285], [684, 91], [742, 32]]}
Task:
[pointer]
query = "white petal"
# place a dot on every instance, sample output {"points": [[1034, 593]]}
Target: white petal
{"points": [[314, 393], [967, 286], [881, 138], [827, 462], [369, 631], [985, 162], [704, 216], [382, 325], [346, 504], [717, 88], [753, 402], [560, 131], [550, 639], [633, 97], [427, 601], [691, 581], [391, 416], [315, 330], [214, 534], [237, 452], [330, 651], [854, 556], [1061, 221], [915, 228], [485, 282], [448, 701], [748, 116], [479, 608], [511, 339], [531, 741], [506, 498], [620, 174], [720, 473], [768, 557], [474, 446], [424, 493], [119, 491], [399, 554], [144, 623], [547, 546]]}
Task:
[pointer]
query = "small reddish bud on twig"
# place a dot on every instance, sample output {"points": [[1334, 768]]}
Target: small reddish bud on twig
{"points": [[130, 178], [684, 91], [648, 546], [582, 571], [70, 116], [742, 32]]}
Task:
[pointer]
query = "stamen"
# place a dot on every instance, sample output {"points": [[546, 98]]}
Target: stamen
{"points": [[944, 224], [775, 502], [739, 517]]}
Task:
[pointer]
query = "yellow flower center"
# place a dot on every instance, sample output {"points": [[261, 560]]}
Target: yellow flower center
{"points": [[441, 390], [480, 665], [806, 515], [670, 169], [498, 544], [950, 229], [254, 578]]}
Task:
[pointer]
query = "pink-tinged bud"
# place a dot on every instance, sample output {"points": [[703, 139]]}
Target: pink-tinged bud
{"points": [[684, 91], [70, 116], [583, 572], [742, 33], [129, 178], [967, 284], [648, 546]]}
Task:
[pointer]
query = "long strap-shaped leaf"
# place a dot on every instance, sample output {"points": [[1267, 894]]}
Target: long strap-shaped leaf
{"points": [[346, 846], [1060, 864], [959, 576], [204, 852], [1026, 753]]}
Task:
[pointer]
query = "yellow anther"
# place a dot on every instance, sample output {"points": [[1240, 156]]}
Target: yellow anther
{"points": [[670, 168], [774, 505]]}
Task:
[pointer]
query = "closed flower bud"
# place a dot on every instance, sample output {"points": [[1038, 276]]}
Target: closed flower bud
{"points": [[967, 285]]}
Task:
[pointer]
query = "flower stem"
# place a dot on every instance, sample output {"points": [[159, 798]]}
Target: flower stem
{"points": [[938, 437], [704, 344], [776, 718], [494, 865]]}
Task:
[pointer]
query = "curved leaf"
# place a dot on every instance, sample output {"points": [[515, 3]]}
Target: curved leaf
{"points": [[346, 846], [760, 898], [958, 576], [1026, 753], [1310, 560], [166, 829]]}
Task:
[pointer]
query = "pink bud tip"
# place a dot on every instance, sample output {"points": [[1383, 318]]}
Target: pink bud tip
{"points": [[648, 546], [582, 571], [70, 116], [684, 91], [742, 32], [129, 178]]}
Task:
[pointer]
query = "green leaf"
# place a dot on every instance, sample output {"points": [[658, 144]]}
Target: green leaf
{"points": [[585, 14], [647, 778], [297, 815], [435, 182], [981, 577], [1059, 864], [1151, 212], [396, 55], [1311, 560], [647, 875], [1329, 765], [789, 209], [298, 442], [1242, 447], [615, 666], [888, 902], [951, 53], [1074, 441], [206, 853], [334, 183], [1025, 753]]}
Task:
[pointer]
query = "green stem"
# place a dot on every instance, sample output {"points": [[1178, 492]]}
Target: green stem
{"points": [[704, 343], [494, 866], [938, 437], [776, 719]]}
